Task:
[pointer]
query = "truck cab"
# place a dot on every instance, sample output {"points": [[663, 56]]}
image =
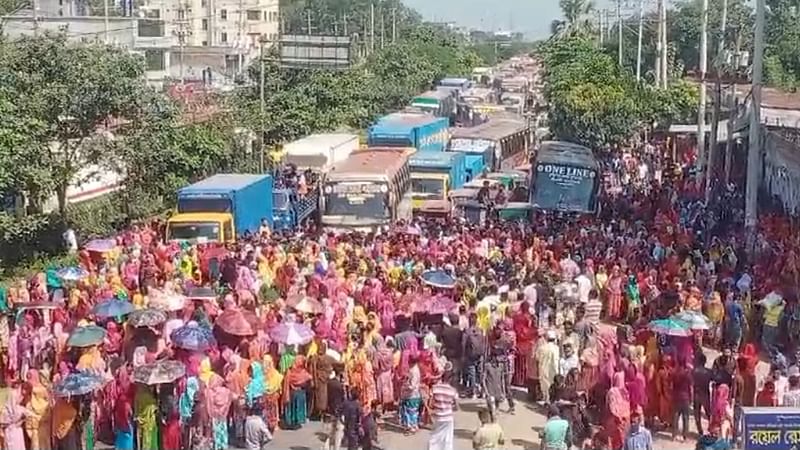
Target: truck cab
{"points": [[290, 209], [434, 175], [201, 227]]}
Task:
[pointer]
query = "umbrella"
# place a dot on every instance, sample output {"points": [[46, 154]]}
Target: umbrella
{"points": [[72, 273], [147, 317], [308, 305], [233, 321], [113, 308], [86, 336], [202, 293], [695, 320], [78, 383], [101, 245], [439, 279], [193, 337], [159, 372], [292, 333], [670, 327]]}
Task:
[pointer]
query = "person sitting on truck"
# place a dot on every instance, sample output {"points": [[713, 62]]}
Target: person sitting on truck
{"points": [[484, 194], [264, 230]]}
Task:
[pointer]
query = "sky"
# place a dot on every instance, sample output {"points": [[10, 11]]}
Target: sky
{"points": [[532, 17]]}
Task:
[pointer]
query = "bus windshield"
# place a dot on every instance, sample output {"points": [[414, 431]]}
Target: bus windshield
{"points": [[194, 231], [367, 200]]}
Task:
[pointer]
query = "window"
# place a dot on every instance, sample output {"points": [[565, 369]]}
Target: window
{"points": [[205, 24], [223, 14], [273, 16], [205, 43], [152, 14], [203, 3], [253, 14], [150, 28], [223, 37], [154, 59], [181, 14]]}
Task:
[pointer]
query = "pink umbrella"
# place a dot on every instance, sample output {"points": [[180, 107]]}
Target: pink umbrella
{"points": [[292, 333], [235, 322], [101, 245]]}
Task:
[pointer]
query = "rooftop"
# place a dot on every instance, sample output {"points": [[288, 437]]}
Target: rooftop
{"points": [[375, 161], [494, 129], [225, 182]]}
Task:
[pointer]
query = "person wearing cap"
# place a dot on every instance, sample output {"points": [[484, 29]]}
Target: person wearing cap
{"points": [[548, 359]]}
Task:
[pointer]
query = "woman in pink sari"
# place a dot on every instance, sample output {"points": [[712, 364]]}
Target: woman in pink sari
{"points": [[617, 420], [383, 365], [11, 419], [614, 294], [637, 387]]}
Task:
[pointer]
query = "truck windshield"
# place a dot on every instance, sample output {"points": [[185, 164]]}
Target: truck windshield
{"points": [[194, 231], [280, 200], [391, 142], [427, 188], [190, 205], [356, 199]]}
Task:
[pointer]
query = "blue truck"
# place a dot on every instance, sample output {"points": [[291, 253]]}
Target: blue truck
{"points": [[222, 207], [291, 209], [772, 428], [424, 132], [435, 174], [479, 155]]}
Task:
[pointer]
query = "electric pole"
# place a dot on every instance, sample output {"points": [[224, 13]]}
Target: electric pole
{"points": [[262, 105], [308, 22], [619, 32], [371, 27], [754, 133], [639, 42], [383, 30], [35, 14], [662, 20], [105, 22], [701, 109], [719, 67], [600, 26], [182, 32], [241, 33], [394, 25], [344, 23]]}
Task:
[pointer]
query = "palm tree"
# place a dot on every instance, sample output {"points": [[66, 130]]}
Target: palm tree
{"points": [[575, 12]]}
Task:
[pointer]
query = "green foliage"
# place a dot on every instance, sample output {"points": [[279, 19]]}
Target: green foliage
{"points": [[595, 103], [782, 62], [492, 53]]}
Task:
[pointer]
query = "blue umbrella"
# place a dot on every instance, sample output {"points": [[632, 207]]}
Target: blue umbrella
{"points": [[86, 336], [193, 337], [78, 383], [438, 278], [72, 273], [114, 307]]}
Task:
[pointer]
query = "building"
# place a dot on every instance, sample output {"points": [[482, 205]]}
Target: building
{"points": [[192, 40]]}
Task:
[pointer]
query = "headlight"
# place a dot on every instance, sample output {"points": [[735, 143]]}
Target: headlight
{"points": [[384, 188], [328, 189]]}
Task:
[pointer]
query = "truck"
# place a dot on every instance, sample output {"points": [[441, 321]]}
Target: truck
{"points": [[222, 207], [771, 428], [420, 131], [435, 174], [291, 209], [320, 152], [457, 85], [440, 103]]}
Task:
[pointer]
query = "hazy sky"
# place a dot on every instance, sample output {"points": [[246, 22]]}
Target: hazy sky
{"points": [[532, 17]]}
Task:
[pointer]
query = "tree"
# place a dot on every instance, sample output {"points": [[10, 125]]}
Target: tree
{"points": [[576, 12], [72, 90]]}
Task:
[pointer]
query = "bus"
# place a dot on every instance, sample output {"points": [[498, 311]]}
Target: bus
{"points": [[510, 140], [565, 177], [368, 190], [440, 103]]}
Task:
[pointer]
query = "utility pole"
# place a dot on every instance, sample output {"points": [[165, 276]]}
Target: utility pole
{"points": [[35, 12], [262, 105], [344, 20], [105, 22], [600, 26], [394, 25], [754, 133], [182, 32], [639, 42], [371, 27], [658, 47], [619, 32], [719, 67], [241, 33], [701, 109], [383, 30], [662, 20], [308, 22]]}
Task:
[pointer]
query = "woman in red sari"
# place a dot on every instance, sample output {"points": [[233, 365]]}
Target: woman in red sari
{"points": [[614, 294], [526, 335], [747, 370]]}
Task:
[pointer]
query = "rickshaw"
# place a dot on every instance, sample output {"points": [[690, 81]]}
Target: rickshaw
{"points": [[458, 197], [474, 213], [515, 212], [434, 209]]}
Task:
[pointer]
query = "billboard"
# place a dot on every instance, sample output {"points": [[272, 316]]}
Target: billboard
{"points": [[315, 52], [771, 429]]}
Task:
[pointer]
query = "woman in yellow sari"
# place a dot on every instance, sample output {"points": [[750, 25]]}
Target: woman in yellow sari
{"points": [[37, 423], [274, 381], [92, 360], [145, 409], [484, 318]]}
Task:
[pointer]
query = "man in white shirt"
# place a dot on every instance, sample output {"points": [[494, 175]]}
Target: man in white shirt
{"points": [[584, 287]]}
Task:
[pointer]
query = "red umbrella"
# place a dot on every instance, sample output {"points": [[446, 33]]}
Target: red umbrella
{"points": [[235, 322]]}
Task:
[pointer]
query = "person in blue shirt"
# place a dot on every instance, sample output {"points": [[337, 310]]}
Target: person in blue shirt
{"points": [[639, 437]]}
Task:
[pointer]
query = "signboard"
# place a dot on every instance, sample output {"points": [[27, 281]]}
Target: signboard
{"points": [[439, 137], [315, 52], [771, 429], [564, 188], [470, 145]]}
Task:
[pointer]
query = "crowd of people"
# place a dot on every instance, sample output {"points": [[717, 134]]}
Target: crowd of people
{"points": [[206, 346]]}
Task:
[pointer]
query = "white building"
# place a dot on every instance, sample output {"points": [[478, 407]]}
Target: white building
{"points": [[179, 39]]}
